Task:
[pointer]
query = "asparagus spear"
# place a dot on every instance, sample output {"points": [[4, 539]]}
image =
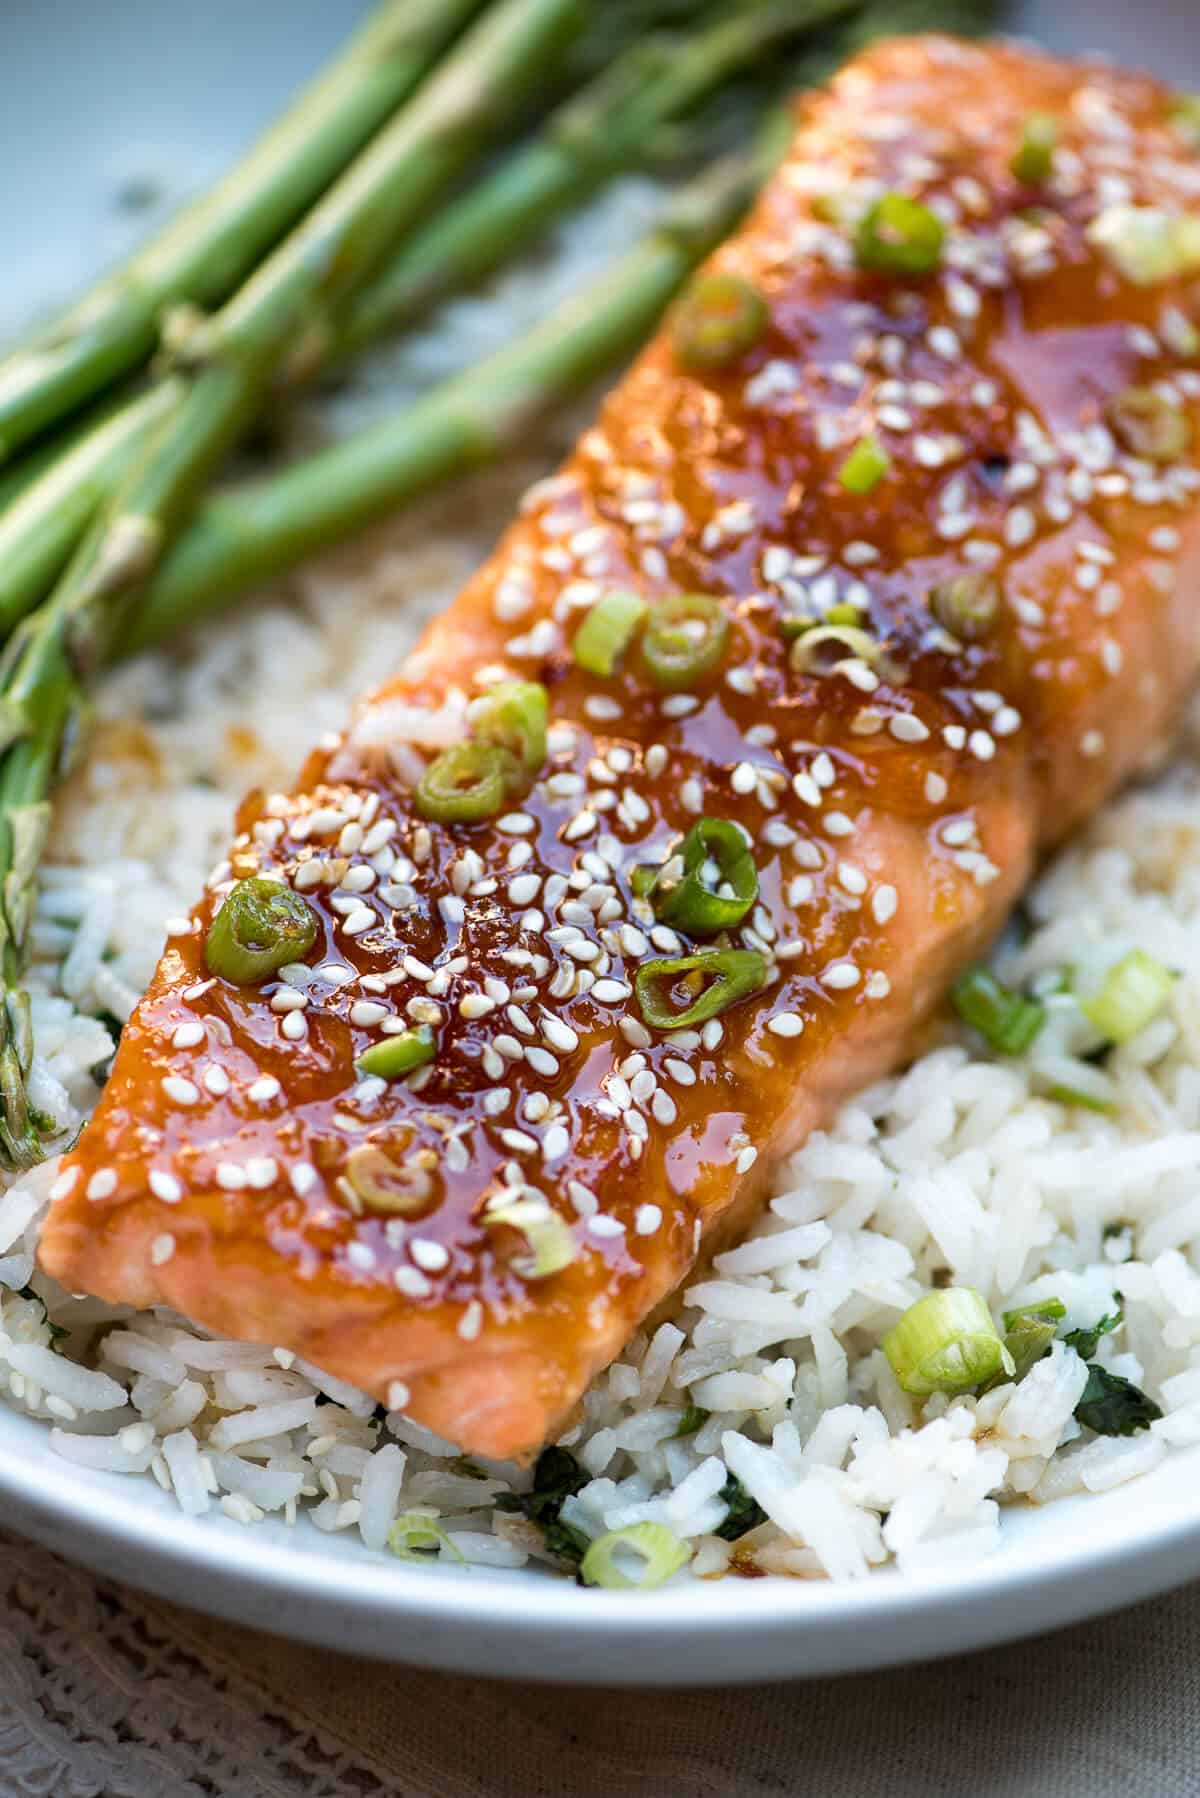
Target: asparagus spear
{"points": [[244, 536], [607, 127], [201, 255], [226, 361]]}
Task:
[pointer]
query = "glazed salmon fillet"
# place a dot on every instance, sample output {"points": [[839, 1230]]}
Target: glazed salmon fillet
{"points": [[936, 474]]}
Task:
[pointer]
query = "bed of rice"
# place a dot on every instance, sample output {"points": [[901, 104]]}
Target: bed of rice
{"points": [[956, 1171]]}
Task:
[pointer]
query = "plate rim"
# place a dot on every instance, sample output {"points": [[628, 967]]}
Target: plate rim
{"points": [[507, 1624]]}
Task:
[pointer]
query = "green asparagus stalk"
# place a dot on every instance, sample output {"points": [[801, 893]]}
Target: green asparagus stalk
{"points": [[263, 528], [226, 361], [202, 255], [608, 127]]}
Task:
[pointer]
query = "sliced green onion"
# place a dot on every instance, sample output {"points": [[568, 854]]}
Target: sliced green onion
{"points": [[606, 631], [416, 1533], [466, 783], [946, 1342], [899, 236], [865, 466], [1184, 117], [1028, 1332], [719, 318], [1086, 1341], [1147, 244], [549, 1238], [372, 1180], [642, 879], [816, 651], [844, 612], [684, 640], [1147, 424], [682, 897], [1048, 1310], [1033, 161], [660, 1552], [398, 1055], [967, 606], [1134, 992], [1007, 1019], [261, 926], [512, 715], [713, 980], [1076, 1097]]}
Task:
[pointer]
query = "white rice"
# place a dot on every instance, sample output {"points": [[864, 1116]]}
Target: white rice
{"points": [[959, 1169]]}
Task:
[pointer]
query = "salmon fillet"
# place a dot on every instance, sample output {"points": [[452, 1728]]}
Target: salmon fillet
{"points": [[555, 1171]]}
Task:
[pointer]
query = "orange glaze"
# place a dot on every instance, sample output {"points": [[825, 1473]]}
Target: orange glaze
{"points": [[894, 814]]}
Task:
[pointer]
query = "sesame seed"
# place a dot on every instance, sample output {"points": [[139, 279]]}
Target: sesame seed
{"points": [[102, 1184], [431, 1256], [302, 1178], [161, 1249], [179, 1090], [295, 1026], [604, 1226], [647, 1219], [838, 824], [188, 1035], [263, 1090], [412, 1283], [65, 1183], [745, 1161], [877, 985], [936, 788], [786, 1023], [907, 729], [262, 1171], [398, 1395], [542, 1062], [230, 1177], [555, 1143], [839, 976], [178, 927], [981, 745], [884, 903], [216, 1080]]}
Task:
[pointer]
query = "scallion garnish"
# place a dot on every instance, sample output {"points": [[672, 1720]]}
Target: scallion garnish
{"points": [[946, 1342], [1033, 160], [467, 782], [899, 236], [606, 631], [549, 1241], [1147, 244], [683, 897], [1006, 1018], [719, 318], [820, 649], [865, 466], [1133, 993], [1146, 423], [653, 1544], [966, 605], [512, 715], [395, 1188], [1028, 1332], [261, 926], [712, 980], [685, 639], [417, 1533], [398, 1055]]}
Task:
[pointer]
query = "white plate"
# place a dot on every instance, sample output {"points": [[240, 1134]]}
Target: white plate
{"points": [[71, 77]]}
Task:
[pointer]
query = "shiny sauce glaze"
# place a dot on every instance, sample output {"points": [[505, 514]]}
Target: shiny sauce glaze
{"points": [[894, 793]]}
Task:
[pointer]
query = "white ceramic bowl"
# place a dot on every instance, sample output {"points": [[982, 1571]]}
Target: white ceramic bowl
{"points": [[71, 78]]}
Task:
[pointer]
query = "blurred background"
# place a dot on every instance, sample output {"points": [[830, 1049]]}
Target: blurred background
{"points": [[112, 112]]}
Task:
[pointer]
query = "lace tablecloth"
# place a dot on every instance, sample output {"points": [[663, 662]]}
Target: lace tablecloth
{"points": [[107, 1694]]}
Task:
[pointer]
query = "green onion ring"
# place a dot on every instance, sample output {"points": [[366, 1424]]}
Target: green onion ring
{"points": [[680, 895], [684, 640], [398, 1055], [899, 236], [724, 976], [604, 635], [466, 783], [512, 715], [719, 318], [660, 1552], [947, 1342], [261, 926]]}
